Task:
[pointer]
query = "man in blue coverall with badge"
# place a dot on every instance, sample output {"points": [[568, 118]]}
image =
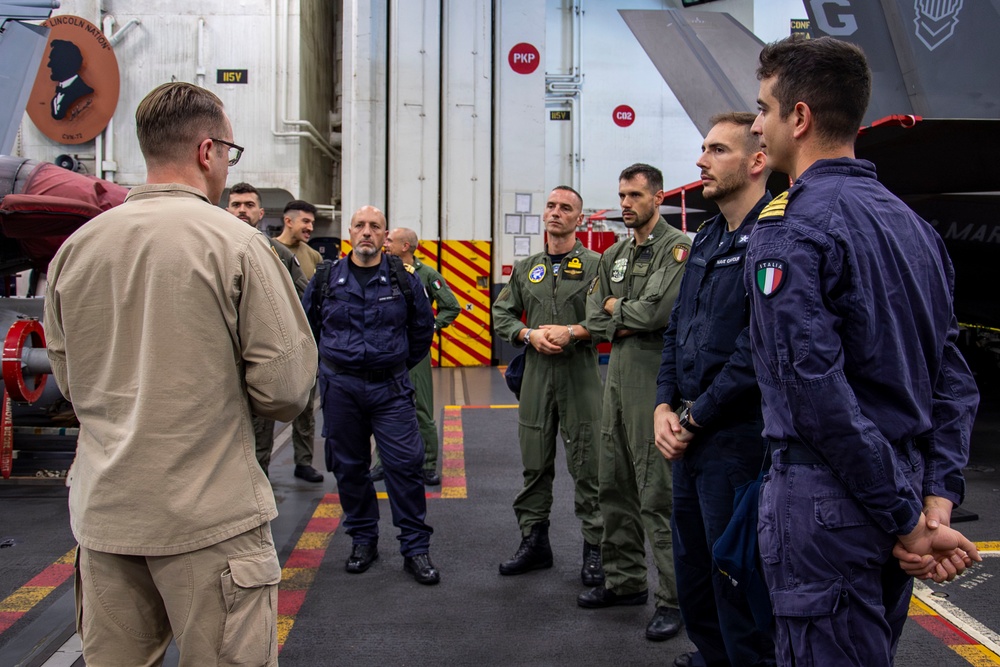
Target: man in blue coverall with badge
{"points": [[867, 402], [373, 322], [707, 419]]}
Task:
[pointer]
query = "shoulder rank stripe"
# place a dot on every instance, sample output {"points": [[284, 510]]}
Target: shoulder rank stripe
{"points": [[775, 208]]}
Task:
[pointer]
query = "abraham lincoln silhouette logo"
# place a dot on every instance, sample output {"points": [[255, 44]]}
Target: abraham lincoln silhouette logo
{"points": [[65, 61]]}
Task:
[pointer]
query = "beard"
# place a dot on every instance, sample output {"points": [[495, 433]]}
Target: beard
{"points": [[724, 187], [639, 220], [366, 252]]}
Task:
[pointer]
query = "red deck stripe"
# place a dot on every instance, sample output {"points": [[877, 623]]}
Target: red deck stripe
{"points": [[289, 602], [54, 575], [306, 558], [9, 618], [944, 630]]}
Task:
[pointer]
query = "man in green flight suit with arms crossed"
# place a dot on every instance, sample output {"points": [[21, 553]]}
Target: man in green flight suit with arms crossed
{"points": [[629, 304], [401, 242], [561, 388]]}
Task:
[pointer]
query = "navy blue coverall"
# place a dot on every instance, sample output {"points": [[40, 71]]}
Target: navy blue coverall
{"points": [[867, 403], [368, 338], [706, 360]]}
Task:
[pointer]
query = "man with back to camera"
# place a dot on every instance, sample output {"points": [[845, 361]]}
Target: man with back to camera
{"points": [[561, 390], [297, 220], [629, 304], [402, 242], [868, 405], [707, 419], [165, 350], [373, 323], [245, 204]]}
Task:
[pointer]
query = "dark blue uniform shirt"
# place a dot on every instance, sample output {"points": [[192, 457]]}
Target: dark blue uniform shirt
{"points": [[853, 335], [369, 329], [706, 346]]}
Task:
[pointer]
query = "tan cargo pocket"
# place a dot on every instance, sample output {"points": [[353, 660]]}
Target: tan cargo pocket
{"points": [[250, 587]]}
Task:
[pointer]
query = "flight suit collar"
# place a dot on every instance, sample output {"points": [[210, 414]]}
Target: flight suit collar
{"points": [[165, 190], [658, 233]]}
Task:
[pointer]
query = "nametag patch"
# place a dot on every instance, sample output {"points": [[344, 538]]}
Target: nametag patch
{"points": [[727, 261]]}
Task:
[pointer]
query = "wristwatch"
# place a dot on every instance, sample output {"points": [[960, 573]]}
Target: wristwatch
{"points": [[684, 416]]}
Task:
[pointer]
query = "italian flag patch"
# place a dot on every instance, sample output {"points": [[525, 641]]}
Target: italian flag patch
{"points": [[772, 274]]}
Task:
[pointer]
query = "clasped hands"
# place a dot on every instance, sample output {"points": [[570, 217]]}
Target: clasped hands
{"points": [[935, 550], [669, 436], [549, 338], [932, 550]]}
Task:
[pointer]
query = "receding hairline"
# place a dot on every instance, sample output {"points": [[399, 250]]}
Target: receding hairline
{"points": [[566, 188], [369, 207], [408, 236]]}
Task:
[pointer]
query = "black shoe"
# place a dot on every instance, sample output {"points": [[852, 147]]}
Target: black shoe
{"points": [[592, 573], [666, 623], [690, 659], [361, 558], [422, 569], [600, 597], [377, 473], [535, 553], [308, 473], [431, 478]]}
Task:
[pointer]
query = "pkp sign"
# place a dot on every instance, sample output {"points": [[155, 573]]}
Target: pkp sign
{"points": [[523, 58], [623, 115]]}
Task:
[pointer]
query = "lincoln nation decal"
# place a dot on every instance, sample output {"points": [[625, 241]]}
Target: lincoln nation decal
{"points": [[772, 274]]}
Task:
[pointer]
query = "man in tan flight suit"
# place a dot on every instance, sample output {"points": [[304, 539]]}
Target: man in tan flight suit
{"points": [[169, 321]]}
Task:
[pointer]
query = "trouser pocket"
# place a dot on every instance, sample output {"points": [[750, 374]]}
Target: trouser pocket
{"points": [[250, 588]]}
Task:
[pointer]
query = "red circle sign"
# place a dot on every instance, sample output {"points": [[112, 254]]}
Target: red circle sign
{"points": [[523, 58], [623, 115]]}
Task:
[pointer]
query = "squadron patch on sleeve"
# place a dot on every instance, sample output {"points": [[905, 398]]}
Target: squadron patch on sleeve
{"points": [[681, 252], [537, 273], [772, 274], [618, 269], [775, 208]]}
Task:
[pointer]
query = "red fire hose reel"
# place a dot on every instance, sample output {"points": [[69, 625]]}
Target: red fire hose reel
{"points": [[15, 385], [13, 363]]}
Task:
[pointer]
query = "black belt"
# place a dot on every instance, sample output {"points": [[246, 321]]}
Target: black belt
{"points": [[366, 374], [794, 452]]}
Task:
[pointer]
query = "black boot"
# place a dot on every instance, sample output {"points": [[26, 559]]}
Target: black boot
{"points": [[533, 554], [592, 572]]}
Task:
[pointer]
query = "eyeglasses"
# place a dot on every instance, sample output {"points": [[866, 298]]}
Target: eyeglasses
{"points": [[235, 152]]}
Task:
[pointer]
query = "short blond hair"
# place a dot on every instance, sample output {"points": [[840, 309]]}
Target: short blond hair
{"points": [[174, 117]]}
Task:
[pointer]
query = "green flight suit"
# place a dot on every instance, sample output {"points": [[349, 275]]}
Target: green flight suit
{"points": [[420, 375], [559, 392], [635, 489]]}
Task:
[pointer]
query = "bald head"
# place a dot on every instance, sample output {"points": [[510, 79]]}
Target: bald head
{"points": [[401, 242], [367, 230]]}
